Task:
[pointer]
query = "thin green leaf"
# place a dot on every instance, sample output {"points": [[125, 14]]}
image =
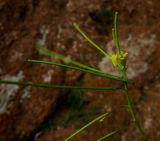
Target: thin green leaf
{"points": [[89, 40], [115, 35], [87, 125], [67, 60], [106, 75], [114, 39], [55, 86], [108, 135], [59, 56]]}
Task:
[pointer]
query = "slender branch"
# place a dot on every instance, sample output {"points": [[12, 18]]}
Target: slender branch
{"points": [[55, 86], [115, 33], [90, 41], [102, 74], [66, 59], [130, 108], [123, 71], [87, 125], [108, 135]]}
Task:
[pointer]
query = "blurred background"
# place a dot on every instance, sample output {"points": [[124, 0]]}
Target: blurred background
{"points": [[36, 114]]}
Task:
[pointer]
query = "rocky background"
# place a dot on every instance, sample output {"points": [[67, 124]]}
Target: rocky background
{"points": [[36, 114]]}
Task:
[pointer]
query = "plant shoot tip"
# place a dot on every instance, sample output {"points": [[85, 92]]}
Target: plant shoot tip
{"points": [[75, 24]]}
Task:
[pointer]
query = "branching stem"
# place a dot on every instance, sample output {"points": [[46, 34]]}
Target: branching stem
{"points": [[130, 108]]}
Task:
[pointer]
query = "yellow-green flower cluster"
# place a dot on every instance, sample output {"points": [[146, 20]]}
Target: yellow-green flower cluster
{"points": [[116, 59]]}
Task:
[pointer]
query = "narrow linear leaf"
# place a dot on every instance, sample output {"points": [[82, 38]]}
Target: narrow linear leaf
{"points": [[108, 135], [114, 38], [90, 40], [87, 125], [59, 56], [115, 32], [55, 86], [106, 75], [67, 59]]}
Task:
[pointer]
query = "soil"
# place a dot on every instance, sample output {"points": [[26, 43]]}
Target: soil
{"points": [[36, 114]]}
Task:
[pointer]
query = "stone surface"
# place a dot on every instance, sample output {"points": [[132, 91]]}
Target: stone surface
{"points": [[45, 114]]}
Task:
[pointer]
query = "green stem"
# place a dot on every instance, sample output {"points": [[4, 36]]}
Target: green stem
{"points": [[90, 40], [55, 86], [115, 33], [101, 74], [66, 59], [87, 125], [108, 135], [130, 108]]}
